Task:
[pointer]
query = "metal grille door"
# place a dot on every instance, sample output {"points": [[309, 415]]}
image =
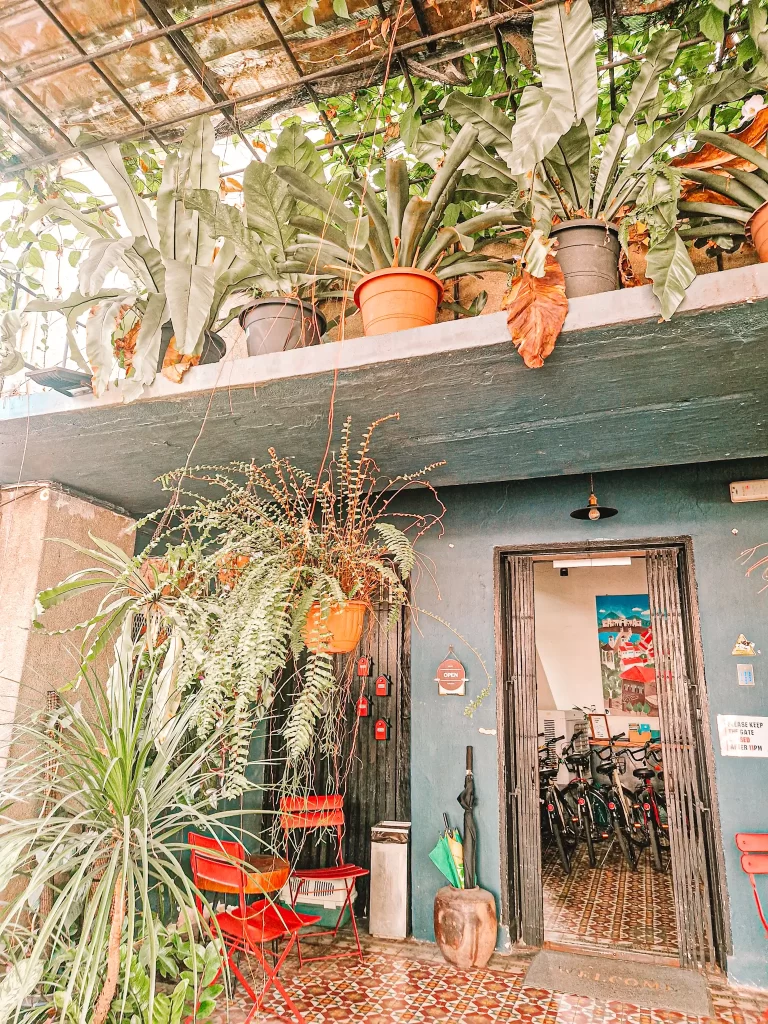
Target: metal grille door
{"points": [[523, 833], [686, 810]]}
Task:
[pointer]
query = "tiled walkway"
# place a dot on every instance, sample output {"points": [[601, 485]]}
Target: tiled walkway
{"points": [[609, 906], [409, 983]]}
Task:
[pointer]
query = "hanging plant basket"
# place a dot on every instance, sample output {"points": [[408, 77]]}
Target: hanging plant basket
{"points": [[338, 634], [398, 299]]}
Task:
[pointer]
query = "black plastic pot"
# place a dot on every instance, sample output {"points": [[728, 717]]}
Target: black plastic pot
{"points": [[588, 253], [276, 325], [214, 346]]}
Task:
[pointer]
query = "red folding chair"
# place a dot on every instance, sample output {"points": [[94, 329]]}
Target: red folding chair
{"points": [[754, 861], [309, 814], [217, 866]]}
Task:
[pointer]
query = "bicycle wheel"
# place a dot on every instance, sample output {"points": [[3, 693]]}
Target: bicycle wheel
{"points": [[624, 844], [585, 821], [562, 852], [653, 837]]}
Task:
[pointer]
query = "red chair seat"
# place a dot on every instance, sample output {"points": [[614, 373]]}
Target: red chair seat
{"points": [[341, 871], [264, 922]]}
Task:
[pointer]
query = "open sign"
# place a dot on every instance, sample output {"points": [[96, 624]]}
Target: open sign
{"points": [[451, 677]]}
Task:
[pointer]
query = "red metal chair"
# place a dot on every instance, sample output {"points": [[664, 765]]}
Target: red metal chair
{"points": [[309, 814], [754, 861], [217, 866]]}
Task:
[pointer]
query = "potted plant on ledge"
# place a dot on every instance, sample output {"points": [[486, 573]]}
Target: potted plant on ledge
{"points": [[393, 257], [281, 317]]}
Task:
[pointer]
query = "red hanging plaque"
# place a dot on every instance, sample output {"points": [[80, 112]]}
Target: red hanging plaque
{"points": [[364, 667], [451, 677], [363, 707], [382, 686], [381, 729]]}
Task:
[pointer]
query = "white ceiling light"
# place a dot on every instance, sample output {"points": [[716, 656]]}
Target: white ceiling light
{"points": [[590, 563]]}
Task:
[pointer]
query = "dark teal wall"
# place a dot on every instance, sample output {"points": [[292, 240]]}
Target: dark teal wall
{"points": [[685, 501]]}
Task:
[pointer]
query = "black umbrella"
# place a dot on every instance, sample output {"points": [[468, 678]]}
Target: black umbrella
{"points": [[467, 800]]}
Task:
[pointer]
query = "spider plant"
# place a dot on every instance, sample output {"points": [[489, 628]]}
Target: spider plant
{"points": [[91, 827], [357, 233]]}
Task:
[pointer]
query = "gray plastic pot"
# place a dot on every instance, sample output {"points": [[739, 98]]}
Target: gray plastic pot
{"points": [[214, 346], [276, 325], [588, 253]]}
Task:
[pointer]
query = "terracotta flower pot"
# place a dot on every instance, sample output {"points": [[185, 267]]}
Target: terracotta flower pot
{"points": [[465, 926], [397, 299], [338, 634], [757, 231]]}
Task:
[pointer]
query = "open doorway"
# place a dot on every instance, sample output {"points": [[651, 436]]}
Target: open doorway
{"points": [[606, 860], [601, 646]]}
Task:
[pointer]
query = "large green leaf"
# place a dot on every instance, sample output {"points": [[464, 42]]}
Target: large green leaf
{"points": [[225, 221], [189, 289], [60, 209], [540, 123], [294, 149], [104, 254], [135, 212], [720, 87], [659, 55], [564, 41], [99, 329], [304, 188], [269, 207], [492, 123], [183, 236], [758, 27], [147, 349], [569, 161], [670, 269]]}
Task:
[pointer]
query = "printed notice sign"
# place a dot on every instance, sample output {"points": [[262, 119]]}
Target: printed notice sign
{"points": [[743, 735]]}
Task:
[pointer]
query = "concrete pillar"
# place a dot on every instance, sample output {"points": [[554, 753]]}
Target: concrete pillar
{"points": [[31, 662]]}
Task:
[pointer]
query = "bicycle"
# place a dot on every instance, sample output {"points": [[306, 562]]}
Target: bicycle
{"points": [[554, 815], [589, 811], [652, 804], [619, 800]]}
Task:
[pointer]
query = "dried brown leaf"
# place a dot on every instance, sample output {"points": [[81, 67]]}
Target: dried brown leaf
{"points": [[537, 308]]}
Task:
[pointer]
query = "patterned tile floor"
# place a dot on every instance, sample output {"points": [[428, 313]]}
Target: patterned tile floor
{"points": [[609, 906], [409, 983]]}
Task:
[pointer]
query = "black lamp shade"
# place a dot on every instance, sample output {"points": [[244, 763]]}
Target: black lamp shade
{"points": [[592, 511]]}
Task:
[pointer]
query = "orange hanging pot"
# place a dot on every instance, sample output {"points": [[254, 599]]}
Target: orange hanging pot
{"points": [[338, 634], [397, 299], [757, 231]]}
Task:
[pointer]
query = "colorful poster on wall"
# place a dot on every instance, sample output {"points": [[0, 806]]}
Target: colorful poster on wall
{"points": [[626, 653]]}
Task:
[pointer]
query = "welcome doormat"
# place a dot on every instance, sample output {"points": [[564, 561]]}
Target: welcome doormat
{"points": [[650, 986]]}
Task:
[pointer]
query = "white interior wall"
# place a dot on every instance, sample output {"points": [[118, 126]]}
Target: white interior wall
{"points": [[567, 650]]}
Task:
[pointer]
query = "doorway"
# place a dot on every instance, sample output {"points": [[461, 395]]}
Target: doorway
{"points": [[600, 645]]}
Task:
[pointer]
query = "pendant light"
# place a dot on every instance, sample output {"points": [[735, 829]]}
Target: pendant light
{"points": [[592, 510]]}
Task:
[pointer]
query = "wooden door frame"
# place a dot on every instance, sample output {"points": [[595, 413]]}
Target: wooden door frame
{"points": [[694, 649]]}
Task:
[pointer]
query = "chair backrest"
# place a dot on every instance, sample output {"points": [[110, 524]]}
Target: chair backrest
{"points": [[215, 866], [309, 813], [752, 842], [754, 861]]}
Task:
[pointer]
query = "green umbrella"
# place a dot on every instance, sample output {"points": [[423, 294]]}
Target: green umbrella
{"points": [[444, 857]]}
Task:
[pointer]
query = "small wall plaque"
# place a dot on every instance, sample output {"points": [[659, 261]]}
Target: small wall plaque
{"points": [[746, 674], [451, 677]]}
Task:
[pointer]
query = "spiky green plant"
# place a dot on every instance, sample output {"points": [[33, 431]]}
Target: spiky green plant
{"points": [[93, 817], [356, 233]]}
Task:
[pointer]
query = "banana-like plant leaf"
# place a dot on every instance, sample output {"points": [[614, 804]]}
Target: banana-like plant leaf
{"points": [[758, 27], [473, 263], [98, 341], [189, 290], [147, 264], [659, 54], [735, 147], [569, 161], [493, 125], [225, 221], [358, 234], [414, 219], [184, 238], [726, 186], [294, 149], [454, 158], [670, 269], [564, 41], [719, 87], [307, 189], [269, 207], [61, 209], [541, 121], [137, 215], [147, 350], [481, 165], [736, 213], [104, 254], [320, 228]]}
